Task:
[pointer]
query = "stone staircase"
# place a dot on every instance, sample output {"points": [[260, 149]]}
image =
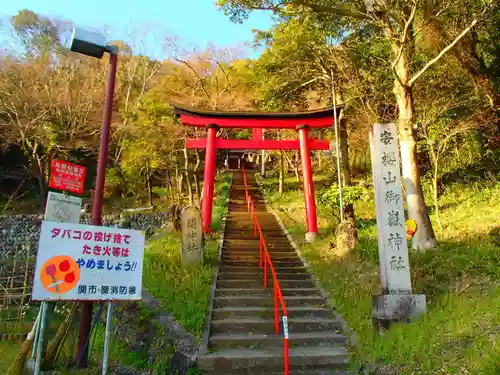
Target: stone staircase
{"points": [[240, 338]]}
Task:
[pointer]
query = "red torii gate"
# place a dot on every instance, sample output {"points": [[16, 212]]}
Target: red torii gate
{"points": [[257, 121]]}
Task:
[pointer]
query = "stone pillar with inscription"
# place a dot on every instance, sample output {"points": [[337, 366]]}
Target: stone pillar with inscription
{"points": [[192, 236], [397, 303]]}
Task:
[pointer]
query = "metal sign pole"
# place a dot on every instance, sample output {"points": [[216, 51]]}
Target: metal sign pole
{"points": [[107, 338], [37, 332], [41, 335], [339, 176]]}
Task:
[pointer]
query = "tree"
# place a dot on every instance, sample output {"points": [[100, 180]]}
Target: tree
{"points": [[50, 110], [36, 33], [395, 22]]}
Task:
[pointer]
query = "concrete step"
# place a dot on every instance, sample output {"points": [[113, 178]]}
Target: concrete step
{"points": [[244, 236], [226, 292], [251, 240], [254, 325], [275, 256], [258, 274], [254, 247], [243, 340], [246, 226], [309, 372], [245, 223], [276, 263], [268, 312], [261, 361], [265, 301], [254, 258], [255, 252], [248, 233], [256, 283], [278, 269]]}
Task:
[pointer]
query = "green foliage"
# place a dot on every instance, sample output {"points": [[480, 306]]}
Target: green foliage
{"points": [[183, 290], [459, 333], [243, 134], [350, 195], [161, 192], [37, 34]]}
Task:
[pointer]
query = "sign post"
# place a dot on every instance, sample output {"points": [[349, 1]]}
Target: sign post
{"points": [[61, 208], [77, 262], [397, 303]]}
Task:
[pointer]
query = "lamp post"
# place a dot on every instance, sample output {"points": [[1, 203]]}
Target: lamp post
{"points": [[93, 44]]}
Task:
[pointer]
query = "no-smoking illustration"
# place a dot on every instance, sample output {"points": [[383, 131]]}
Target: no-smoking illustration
{"points": [[60, 274]]}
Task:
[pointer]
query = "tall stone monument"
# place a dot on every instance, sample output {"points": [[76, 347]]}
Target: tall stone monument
{"points": [[192, 236], [397, 303]]}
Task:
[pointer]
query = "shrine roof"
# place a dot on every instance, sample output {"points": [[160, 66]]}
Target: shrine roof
{"points": [[319, 118]]}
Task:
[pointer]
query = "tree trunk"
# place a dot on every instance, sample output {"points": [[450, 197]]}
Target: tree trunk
{"points": [[295, 170], [148, 185], [178, 181], [417, 210], [170, 186], [346, 171], [195, 176], [297, 166], [263, 164], [436, 192], [188, 180], [282, 174]]}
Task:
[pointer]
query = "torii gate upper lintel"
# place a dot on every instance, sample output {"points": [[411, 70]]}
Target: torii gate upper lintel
{"points": [[257, 121]]}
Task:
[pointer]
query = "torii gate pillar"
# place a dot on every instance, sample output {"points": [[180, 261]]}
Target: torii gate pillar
{"points": [[209, 178], [312, 225]]}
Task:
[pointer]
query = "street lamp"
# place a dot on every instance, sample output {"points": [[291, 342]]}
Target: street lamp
{"points": [[93, 44]]}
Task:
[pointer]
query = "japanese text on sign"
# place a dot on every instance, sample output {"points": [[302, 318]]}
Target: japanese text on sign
{"points": [[79, 262], [67, 176], [393, 247]]}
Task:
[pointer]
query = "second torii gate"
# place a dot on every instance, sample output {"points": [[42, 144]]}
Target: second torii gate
{"points": [[257, 121]]}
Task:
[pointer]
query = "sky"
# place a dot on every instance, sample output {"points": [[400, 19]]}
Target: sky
{"points": [[195, 22]]}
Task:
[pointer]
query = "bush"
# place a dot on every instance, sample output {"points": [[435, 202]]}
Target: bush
{"points": [[350, 194]]}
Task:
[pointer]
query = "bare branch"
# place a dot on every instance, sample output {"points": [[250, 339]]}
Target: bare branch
{"points": [[446, 49], [200, 79], [405, 33]]}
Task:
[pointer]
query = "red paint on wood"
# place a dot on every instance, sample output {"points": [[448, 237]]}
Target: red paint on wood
{"points": [[257, 134], [209, 178], [260, 123], [244, 144], [312, 226]]}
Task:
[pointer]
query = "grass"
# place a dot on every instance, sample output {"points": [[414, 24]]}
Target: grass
{"points": [[183, 290], [8, 352], [460, 334]]}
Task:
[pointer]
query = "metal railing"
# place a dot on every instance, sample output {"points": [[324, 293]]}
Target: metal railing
{"points": [[266, 263]]}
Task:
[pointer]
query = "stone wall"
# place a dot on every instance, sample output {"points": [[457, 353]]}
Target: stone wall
{"points": [[19, 233]]}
